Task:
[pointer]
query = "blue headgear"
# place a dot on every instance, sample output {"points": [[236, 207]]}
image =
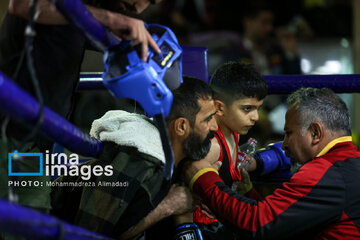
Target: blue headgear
{"points": [[127, 76]]}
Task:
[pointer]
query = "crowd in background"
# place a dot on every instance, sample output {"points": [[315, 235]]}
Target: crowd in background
{"points": [[225, 29], [221, 27], [264, 33]]}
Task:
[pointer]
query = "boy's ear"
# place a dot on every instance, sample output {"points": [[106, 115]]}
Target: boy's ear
{"points": [[220, 107], [182, 127]]}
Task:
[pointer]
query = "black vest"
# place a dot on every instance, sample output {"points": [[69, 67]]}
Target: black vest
{"points": [[224, 171]]}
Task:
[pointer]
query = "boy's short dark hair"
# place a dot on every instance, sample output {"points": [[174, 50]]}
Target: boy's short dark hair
{"points": [[185, 102], [236, 80]]}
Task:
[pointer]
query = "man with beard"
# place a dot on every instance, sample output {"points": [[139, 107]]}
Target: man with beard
{"points": [[133, 147], [321, 201]]}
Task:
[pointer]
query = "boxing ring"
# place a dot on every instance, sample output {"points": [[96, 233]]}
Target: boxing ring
{"points": [[277, 84], [18, 104]]}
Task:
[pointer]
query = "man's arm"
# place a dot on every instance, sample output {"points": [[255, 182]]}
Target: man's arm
{"points": [[122, 26], [314, 196], [126, 28], [178, 201]]}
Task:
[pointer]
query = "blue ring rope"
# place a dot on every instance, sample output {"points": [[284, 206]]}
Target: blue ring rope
{"points": [[278, 84]]}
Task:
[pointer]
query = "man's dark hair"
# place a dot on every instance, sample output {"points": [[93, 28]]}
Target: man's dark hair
{"points": [[236, 80], [185, 102]]}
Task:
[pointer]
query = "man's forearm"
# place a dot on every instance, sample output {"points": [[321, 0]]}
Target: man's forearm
{"points": [[177, 202]]}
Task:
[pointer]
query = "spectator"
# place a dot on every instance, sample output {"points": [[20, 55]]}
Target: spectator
{"points": [[258, 47]]}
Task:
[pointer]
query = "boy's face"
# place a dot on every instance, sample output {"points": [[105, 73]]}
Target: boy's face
{"points": [[242, 114]]}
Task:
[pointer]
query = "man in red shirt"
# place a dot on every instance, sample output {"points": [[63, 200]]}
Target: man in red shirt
{"points": [[321, 200]]}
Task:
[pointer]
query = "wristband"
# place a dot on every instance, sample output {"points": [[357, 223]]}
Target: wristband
{"points": [[198, 174]]}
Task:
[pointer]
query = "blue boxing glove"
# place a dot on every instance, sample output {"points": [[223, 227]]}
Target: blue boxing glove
{"points": [[188, 231], [272, 158]]}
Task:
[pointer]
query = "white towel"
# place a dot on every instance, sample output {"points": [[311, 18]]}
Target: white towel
{"points": [[129, 129]]}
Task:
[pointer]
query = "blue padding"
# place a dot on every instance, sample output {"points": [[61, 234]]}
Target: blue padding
{"points": [[195, 62], [269, 160], [28, 223], [148, 90], [146, 82], [19, 105], [278, 84], [284, 84], [272, 159]]}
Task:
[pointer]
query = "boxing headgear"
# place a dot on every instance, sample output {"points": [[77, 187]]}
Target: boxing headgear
{"points": [[127, 76]]}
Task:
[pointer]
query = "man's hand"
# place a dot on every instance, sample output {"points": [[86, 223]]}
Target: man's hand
{"points": [[136, 31], [252, 166], [205, 210], [127, 28], [122, 26], [244, 185], [179, 200]]}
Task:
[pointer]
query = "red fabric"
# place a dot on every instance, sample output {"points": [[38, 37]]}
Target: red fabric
{"points": [[345, 230], [235, 174], [253, 194], [199, 216], [270, 208], [264, 217]]}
